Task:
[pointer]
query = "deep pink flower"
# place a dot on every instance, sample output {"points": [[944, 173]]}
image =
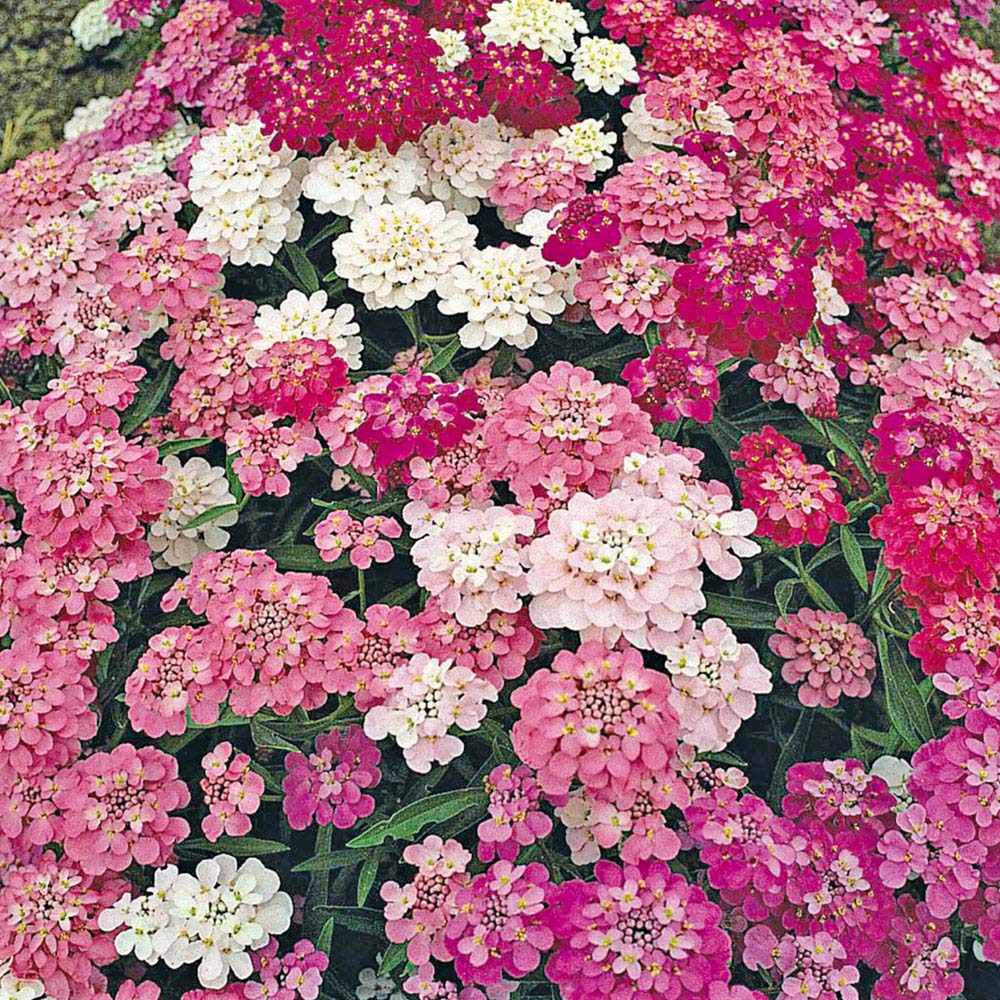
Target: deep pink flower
{"points": [[587, 225], [515, 819], [326, 787], [295, 378], [672, 383]]}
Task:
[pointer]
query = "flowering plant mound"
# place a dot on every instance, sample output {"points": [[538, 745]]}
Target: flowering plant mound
{"points": [[498, 501]]}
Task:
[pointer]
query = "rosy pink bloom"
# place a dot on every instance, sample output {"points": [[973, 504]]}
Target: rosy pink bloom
{"points": [[90, 392], [672, 383], [326, 787], [232, 791], [794, 501], [826, 655], [497, 650], [368, 541], [802, 375], [174, 678], [48, 922], [265, 452], [624, 565], [426, 698], [360, 662], [42, 184], [515, 819], [538, 178], [475, 564], [715, 680], [667, 196], [587, 225], [138, 991], [51, 257], [416, 913], [925, 307], [162, 268], [811, 965], [628, 287], [45, 712], [568, 421], [295, 378], [274, 629], [500, 925], [118, 810], [839, 793], [600, 951], [599, 717]]}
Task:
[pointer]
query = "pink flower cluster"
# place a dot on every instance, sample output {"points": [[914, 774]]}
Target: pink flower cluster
{"points": [[368, 541], [232, 791]]}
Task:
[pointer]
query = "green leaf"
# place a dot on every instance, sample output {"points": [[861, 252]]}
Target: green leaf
{"points": [[904, 703], [148, 402], [393, 957], [303, 558], [211, 514], [340, 860], [443, 358], [335, 228], [400, 595], [182, 444], [880, 579], [358, 919], [407, 822], [783, 592], [503, 360], [238, 847], [324, 942], [854, 556], [366, 877], [264, 736], [742, 612], [303, 268], [791, 752]]}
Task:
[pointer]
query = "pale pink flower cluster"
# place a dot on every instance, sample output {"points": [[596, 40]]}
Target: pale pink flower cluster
{"points": [[474, 565], [265, 451], [801, 375], [426, 698], [618, 566], [715, 682]]}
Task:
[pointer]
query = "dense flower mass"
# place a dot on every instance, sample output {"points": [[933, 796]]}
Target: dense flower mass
{"points": [[526, 471]]}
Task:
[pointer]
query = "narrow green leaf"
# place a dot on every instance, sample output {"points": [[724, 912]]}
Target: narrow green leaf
{"points": [[303, 268], [880, 580], [393, 957], [443, 358], [400, 595], [366, 878], [407, 822], [303, 558], [330, 861], [211, 514], [148, 402], [854, 556], [783, 592], [358, 919], [182, 444], [791, 752], [325, 940], [742, 612], [503, 360], [238, 847], [264, 736], [904, 703]]}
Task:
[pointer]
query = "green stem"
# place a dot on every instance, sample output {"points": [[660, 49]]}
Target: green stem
{"points": [[320, 881], [362, 601], [412, 320]]}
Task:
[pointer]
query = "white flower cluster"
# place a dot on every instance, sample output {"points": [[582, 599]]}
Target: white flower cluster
{"points": [[644, 132], [461, 160], [91, 28], [215, 918], [197, 488], [88, 117], [502, 290], [602, 64], [395, 254], [549, 25], [300, 317], [374, 985], [248, 194], [587, 142], [349, 181], [454, 48], [13, 988]]}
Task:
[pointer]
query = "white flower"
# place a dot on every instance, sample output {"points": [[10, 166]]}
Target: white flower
{"points": [[248, 194], [13, 988], [142, 158], [895, 772], [461, 160], [300, 317], [175, 140], [830, 304], [197, 488], [214, 918], [587, 142], [549, 25], [91, 28], [501, 290], [88, 117], [395, 254], [348, 181], [455, 50], [373, 985], [601, 64]]}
